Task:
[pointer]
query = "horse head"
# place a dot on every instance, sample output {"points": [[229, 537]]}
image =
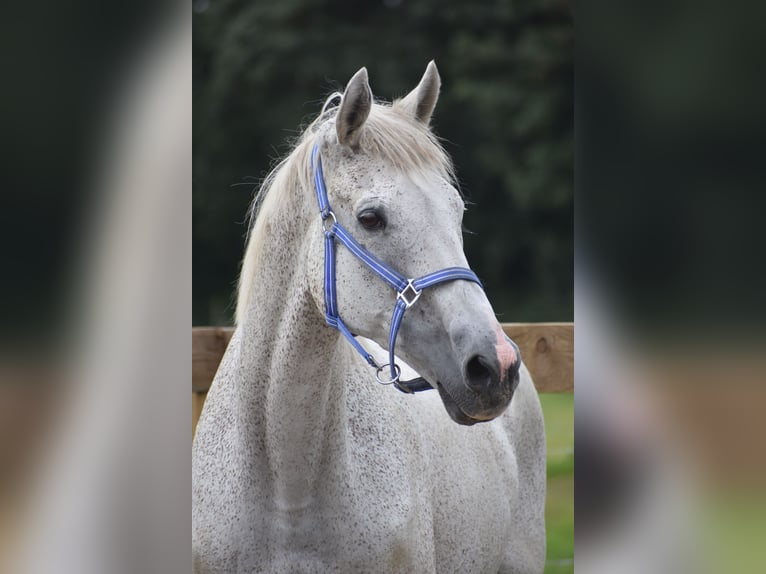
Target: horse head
{"points": [[391, 186]]}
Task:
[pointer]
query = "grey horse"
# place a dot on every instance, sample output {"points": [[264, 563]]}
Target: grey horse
{"points": [[301, 462]]}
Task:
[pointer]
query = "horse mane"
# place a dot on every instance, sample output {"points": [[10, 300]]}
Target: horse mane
{"points": [[389, 133]]}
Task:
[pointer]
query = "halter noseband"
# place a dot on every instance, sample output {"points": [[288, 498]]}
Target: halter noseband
{"points": [[407, 290]]}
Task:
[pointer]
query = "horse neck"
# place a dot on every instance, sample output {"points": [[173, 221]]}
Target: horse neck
{"points": [[293, 402]]}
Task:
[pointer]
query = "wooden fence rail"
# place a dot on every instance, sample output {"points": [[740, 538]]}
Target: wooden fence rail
{"points": [[547, 350]]}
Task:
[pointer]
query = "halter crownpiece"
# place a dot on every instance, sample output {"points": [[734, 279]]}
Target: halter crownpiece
{"points": [[408, 291]]}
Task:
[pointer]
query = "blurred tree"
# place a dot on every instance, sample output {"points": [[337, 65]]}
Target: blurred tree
{"points": [[262, 69]]}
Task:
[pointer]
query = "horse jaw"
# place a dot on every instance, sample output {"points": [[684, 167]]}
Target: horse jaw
{"points": [[454, 411]]}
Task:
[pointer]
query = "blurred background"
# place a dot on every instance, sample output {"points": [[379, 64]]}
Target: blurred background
{"points": [[263, 69], [670, 363], [95, 287]]}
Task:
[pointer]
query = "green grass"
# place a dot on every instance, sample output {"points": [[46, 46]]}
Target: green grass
{"points": [[731, 527], [558, 410]]}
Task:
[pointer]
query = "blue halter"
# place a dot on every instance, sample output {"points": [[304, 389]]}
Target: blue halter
{"points": [[407, 290]]}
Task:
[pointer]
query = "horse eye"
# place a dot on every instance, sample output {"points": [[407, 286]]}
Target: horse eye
{"points": [[370, 219]]}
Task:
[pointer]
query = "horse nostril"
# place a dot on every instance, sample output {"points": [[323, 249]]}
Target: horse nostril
{"points": [[479, 372]]}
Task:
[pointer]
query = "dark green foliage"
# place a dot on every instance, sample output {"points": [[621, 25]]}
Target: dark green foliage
{"points": [[262, 69]]}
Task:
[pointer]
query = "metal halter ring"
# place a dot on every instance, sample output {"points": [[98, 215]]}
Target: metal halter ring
{"points": [[389, 382], [330, 214]]}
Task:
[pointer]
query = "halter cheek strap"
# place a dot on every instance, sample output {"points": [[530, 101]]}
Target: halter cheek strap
{"points": [[408, 291]]}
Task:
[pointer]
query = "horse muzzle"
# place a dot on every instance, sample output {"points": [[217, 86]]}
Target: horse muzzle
{"points": [[485, 390]]}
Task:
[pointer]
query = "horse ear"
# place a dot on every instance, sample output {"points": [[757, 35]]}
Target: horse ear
{"points": [[354, 109], [421, 101]]}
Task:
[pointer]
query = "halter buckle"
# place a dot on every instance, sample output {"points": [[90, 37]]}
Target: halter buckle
{"points": [[409, 294]]}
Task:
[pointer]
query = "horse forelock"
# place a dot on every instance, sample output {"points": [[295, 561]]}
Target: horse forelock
{"points": [[389, 133]]}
